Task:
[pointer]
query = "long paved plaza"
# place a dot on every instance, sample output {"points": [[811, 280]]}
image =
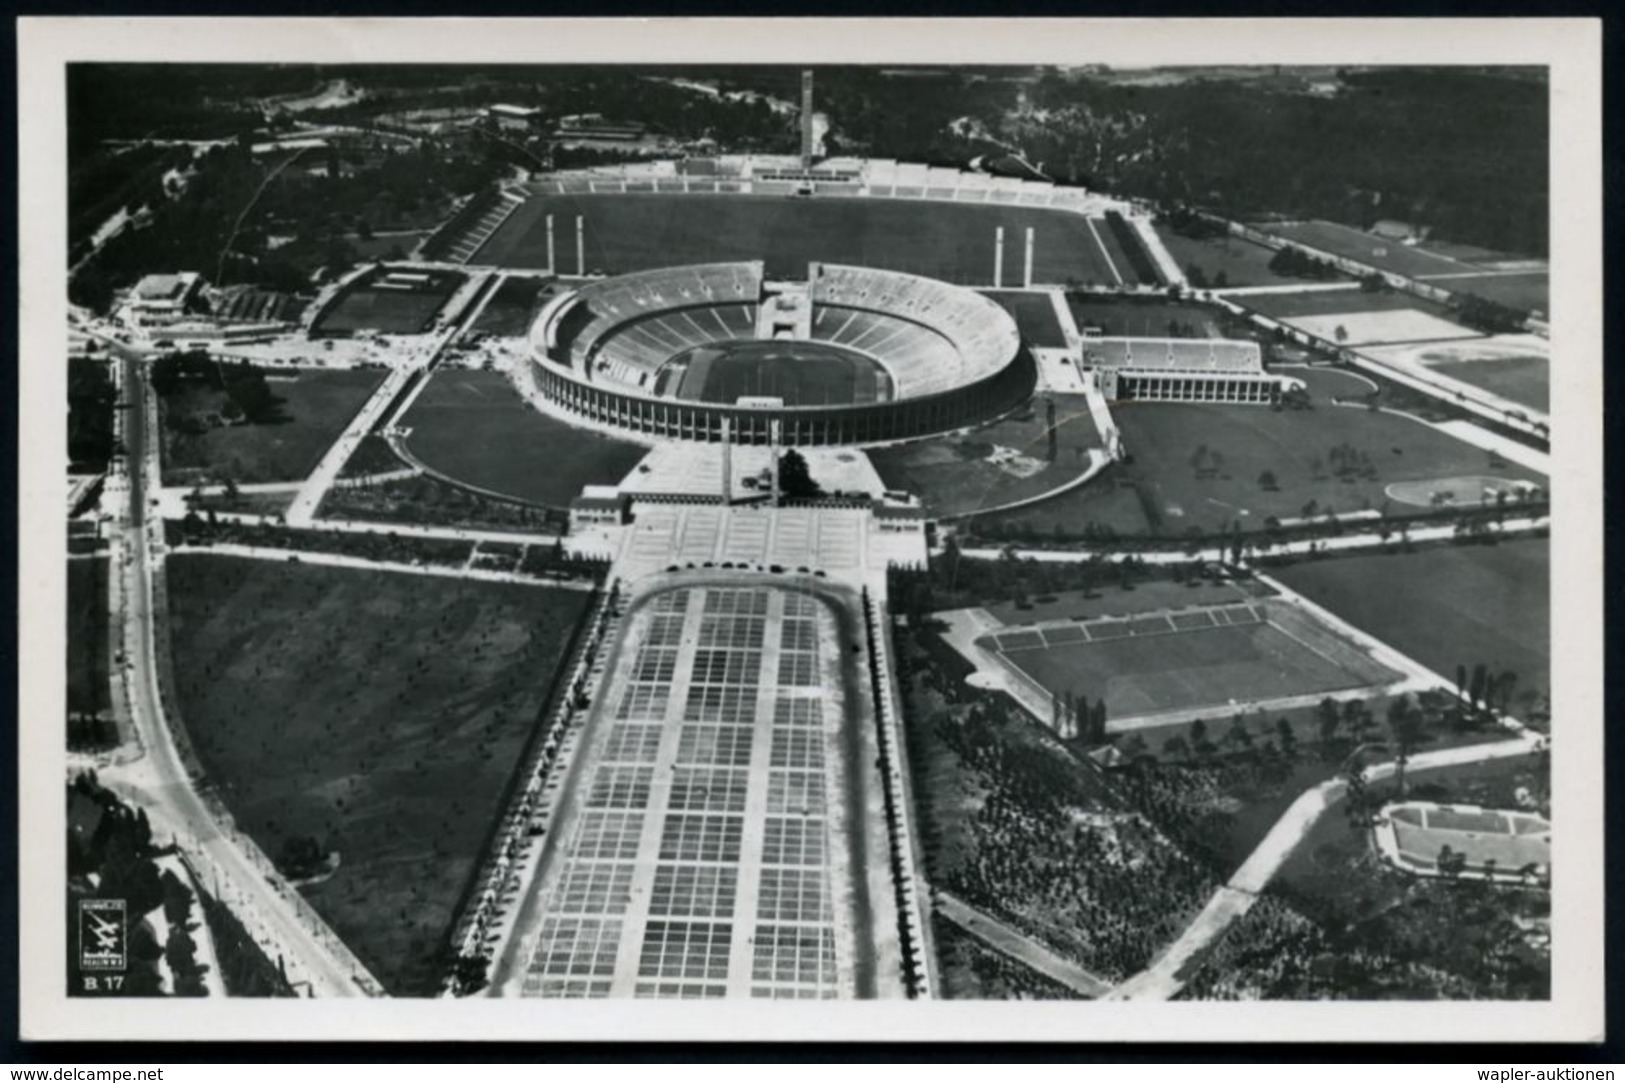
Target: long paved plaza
{"points": [[704, 850]]}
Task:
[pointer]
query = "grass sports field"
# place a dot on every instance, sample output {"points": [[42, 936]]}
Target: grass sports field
{"points": [[1158, 663], [475, 428], [1525, 380], [1123, 316], [1336, 302], [1525, 290], [318, 405], [999, 462], [948, 241], [88, 689], [1159, 492], [800, 373], [1463, 605], [367, 306], [1241, 262], [1379, 252], [381, 713], [1034, 314], [513, 307]]}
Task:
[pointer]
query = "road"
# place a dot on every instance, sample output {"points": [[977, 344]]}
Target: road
{"points": [[1001, 937], [260, 897]]}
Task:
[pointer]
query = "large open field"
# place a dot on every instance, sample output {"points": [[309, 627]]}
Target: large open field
{"points": [[474, 427], [1524, 290], [1526, 380], [995, 464], [88, 689], [1337, 302], [1463, 604], [318, 404], [1034, 314], [948, 241], [513, 307], [1159, 491], [1379, 252], [1241, 262], [367, 305], [383, 714], [1146, 318]]}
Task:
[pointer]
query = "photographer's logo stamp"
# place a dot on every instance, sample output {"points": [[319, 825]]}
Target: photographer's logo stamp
{"points": [[102, 932]]}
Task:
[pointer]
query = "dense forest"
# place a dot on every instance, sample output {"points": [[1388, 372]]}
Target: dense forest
{"points": [[1462, 152]]}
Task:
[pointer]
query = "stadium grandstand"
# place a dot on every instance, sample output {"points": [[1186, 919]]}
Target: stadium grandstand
{"points": [[852, 355], [782, 175], [1182, 370]]}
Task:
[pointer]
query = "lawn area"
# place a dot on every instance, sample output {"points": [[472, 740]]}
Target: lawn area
{"points": [[1034, 315], [367, 305], [382, 714], [1373, 251], [1462, 605], [1159, 492], [1119, 317], [1282, 306], [1327, 383], [948, 241], [1530, 292], [1241, 262], [474, 427], [88, 688], [317, 404], [999, 462], [1525, 380], [513, 307]]}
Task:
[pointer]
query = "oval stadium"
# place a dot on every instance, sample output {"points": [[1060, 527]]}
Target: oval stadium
{"points": [[850, 355]]}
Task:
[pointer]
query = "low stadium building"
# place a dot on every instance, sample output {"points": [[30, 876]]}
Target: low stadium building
{"points": [[713, 352], [1181, 370]]}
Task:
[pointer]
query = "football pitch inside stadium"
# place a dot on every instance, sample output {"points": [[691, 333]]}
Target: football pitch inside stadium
{"points": [[952, 242], [1220, 657], [800, 373]]}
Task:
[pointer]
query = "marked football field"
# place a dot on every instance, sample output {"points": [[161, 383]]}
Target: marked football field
{"points": [[1191, 658], [800, 373]]}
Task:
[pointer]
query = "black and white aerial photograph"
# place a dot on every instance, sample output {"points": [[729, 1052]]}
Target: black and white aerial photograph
{"points": [[1073, 535]]}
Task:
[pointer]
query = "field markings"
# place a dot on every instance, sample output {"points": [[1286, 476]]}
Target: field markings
{"points": [[1095, 233]]}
